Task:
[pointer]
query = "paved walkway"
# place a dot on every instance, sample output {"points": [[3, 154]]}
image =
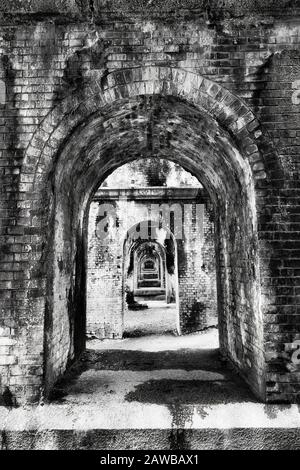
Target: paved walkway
{"points": [[152, 392], [158, 318]]}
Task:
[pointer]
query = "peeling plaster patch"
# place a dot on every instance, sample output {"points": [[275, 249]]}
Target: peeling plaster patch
{"points": [[202, 37], [254, 59], [283, 32], [148, 28], [296, 93], [91, 39], [2, 92]]}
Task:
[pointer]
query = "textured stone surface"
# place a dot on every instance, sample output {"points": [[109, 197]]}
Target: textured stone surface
{"points": [[160, 392], [154, 439]]}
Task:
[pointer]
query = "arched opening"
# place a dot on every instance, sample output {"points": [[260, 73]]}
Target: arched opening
{"points": [[149, 268], [162, 215], [145, 263], [185, 119], [237, 273]]}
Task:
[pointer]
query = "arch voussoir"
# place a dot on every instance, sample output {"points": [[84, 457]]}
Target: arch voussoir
{"points": [[213, 99]]}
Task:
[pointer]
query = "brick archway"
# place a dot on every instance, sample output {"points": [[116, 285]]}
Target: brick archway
{"points": [[63, 159], [158, 232], [208, 96]]}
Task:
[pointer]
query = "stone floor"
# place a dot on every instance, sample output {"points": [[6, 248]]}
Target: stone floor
{"points": [[158, 318], [151, 392]]}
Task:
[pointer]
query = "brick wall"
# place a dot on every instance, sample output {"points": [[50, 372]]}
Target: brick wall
{"points": [[241, 123]]}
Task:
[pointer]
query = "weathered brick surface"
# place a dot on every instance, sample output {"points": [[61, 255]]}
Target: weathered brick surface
{"points": [[79, 96], [195, 273]]}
